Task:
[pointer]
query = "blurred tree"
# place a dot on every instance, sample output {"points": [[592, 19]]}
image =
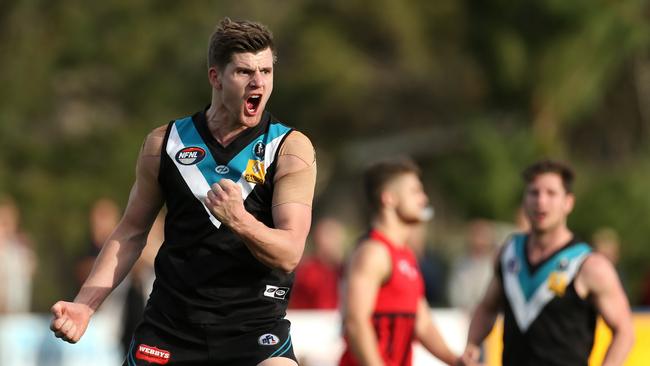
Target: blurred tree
{"points": [[474, 90]]}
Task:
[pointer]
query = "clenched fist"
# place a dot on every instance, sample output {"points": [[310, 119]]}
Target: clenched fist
{"points": [[70, 320], [225, 201]]}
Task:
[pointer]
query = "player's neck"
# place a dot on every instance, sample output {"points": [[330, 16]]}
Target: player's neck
{"points": [[222, 125], [549, 241], [394, 229]]}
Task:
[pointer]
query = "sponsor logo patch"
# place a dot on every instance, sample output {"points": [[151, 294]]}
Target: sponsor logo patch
{"points": [[222, 169], [152, 354], [255, 172], [407, 269], [259, 149], [557, 283], [268, 339], [190, 155], [276, 292]]}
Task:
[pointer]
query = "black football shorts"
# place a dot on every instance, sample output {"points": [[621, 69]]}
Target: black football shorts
{"points": [[159, 340]]}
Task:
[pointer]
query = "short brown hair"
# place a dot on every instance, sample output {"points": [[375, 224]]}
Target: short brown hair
{"points": [[237, 37], [550, 166], [378, 175]]}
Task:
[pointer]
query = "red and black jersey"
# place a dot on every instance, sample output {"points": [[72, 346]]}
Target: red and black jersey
{"points": [[397, 301]]}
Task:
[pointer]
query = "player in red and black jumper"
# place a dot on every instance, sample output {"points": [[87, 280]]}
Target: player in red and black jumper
{"points": [[384, 309]]}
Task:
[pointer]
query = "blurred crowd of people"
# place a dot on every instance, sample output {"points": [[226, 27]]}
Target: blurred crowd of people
{"points": [[18, 264], [451, 281], [17, 261]]}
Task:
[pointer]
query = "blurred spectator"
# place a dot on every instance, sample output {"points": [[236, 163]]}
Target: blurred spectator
{"points": [[607, 242], [317, 276], [103, 219], [521, 220], [471, 273], [17, 261], [432, 267]]}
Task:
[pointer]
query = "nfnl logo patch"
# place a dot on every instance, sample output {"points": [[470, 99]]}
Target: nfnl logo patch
{"points": [[152, 354], [276, 292], [268, 339], [190, 155]]}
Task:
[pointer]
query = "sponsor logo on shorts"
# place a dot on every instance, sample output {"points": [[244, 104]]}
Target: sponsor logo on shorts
{"points": [[276, 292], [259, 149], [222, 169], [152, 354], [268, 339], [190, 155]]}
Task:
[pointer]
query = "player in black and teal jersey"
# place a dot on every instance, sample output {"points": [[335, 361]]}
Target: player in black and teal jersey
{"points": [[551, 286], [238, 186]]}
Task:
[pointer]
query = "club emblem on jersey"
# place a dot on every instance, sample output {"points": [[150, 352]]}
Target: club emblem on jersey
{"points": [[152, 354], [255, 172], [557, 283], [268, 339], [276, 292], [259, 149], [190, 155], [512, 266]]}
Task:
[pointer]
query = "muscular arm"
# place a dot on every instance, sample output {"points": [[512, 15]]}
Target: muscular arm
{"points": [[429, 336], [120, 251], [369, 267], [598, 279], [125, 244], [280, 247]]}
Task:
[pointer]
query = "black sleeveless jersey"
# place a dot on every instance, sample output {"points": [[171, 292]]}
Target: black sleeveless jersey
{"points": [[546, 323], [205, 274]]}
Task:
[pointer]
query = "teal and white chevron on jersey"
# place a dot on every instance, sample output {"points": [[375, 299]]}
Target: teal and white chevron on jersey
{"points": [[247, 168], [528, 291]]}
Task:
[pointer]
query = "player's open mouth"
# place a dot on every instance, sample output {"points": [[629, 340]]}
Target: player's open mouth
{"points": [[252, 103]]}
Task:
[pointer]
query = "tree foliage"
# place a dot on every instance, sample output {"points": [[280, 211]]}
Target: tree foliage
{"points": [[494, 84]]}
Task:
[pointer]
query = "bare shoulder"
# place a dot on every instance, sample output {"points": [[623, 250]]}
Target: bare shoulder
{"points": [[152, 145], [597, 272], [371, 256], [298, 137]]}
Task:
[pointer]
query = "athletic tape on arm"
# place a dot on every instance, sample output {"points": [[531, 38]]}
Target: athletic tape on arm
{"points": [[297, 186]]}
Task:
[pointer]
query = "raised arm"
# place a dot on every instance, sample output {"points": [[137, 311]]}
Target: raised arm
{"points": [[122, 248], [598, 280], [280, 247], [367, 270]]}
